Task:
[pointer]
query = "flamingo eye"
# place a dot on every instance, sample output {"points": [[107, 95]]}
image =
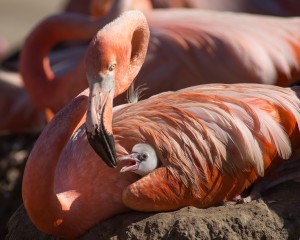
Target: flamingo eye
{"points": [[112, 67], [143, 157]]}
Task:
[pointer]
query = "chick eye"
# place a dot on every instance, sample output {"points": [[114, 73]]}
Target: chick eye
{"points": [[142, 156], [112, 67]]}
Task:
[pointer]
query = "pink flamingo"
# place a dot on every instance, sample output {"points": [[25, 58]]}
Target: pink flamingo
{"points": [[204, 47], [240, 132]]}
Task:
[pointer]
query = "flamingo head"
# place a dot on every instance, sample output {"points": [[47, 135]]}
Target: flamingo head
{"points": [[113, 59], [142, 160]]}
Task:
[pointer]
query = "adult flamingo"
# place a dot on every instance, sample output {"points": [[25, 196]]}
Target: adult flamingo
{"points": [[203, 47], [67, 185], [213, 141]]}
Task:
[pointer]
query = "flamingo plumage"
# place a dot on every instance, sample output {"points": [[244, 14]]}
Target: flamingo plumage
{"points": [[213, 141], [204, 47]]}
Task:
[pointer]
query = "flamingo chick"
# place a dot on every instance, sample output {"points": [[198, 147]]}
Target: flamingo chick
{"points": [[141, 161]]}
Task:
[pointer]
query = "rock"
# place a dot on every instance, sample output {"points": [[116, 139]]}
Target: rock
{"points": [[276, 216]]}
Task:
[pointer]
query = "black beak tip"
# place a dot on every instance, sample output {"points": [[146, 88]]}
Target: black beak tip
{"points": [[103, 148], [112, 164]]}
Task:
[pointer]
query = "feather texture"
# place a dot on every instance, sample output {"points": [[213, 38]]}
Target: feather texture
{"points": [[237, 130]]}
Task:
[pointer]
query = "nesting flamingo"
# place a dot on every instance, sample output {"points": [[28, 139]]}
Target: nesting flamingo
{"points": [[204, 47], [212, 141]]}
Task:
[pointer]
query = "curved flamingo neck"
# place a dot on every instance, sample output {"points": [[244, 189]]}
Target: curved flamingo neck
{"points": [[124, 41], [138, 35], [41, 203]]}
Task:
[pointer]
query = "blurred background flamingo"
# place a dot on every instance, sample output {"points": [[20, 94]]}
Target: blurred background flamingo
{"points": [[18, 112], [203, 47], [164, 40]]}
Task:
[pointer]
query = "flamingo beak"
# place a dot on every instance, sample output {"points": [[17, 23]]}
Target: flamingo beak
{"points": [[98, 135], [104, 145], [132, 162]]}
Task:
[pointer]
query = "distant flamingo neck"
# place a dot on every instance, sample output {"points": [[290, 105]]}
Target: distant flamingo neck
{"points": [[45, 88]]}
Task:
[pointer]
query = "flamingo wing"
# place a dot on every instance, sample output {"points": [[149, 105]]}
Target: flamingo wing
{"points": [[213, 141]]}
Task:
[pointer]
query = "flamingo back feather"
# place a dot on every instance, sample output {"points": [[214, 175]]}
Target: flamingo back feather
{"points": [[204, 133]]}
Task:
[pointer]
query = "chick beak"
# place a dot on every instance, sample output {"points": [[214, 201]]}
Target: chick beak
{"points": [[131, 161]]}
